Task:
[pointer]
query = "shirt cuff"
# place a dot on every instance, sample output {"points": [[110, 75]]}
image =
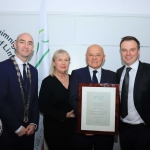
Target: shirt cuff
{"points": [[18, 130]]}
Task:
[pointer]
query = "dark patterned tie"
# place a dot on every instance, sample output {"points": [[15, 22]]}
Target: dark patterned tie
{"points": [[94, 79], [124, 94], [24, 77]]}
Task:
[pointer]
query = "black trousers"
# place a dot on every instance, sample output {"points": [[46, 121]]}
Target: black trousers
{"points": [[98, 142], [134, 137], [14, 142]]}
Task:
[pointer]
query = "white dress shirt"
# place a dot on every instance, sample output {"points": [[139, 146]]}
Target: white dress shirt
{"points": [[133, 117], [98, 74], [20, 65]]}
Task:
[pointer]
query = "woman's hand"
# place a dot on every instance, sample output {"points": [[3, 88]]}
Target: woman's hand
{"points": [[70, 114]]}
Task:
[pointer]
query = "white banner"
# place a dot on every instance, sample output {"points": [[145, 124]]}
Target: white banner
{"points": [[42, 65]]}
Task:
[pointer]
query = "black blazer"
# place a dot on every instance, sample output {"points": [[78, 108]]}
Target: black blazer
{"points": [[11, 103], [82, 75], [141, 90]]}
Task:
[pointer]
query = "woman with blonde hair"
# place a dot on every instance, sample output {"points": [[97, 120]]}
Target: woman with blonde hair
{"points": [[54, 104]]}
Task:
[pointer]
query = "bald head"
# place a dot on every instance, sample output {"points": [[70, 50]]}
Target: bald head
{"points": [[24, 46], [24, 35], [95, 56], [95, 46]]}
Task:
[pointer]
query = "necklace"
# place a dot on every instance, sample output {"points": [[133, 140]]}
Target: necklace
{"points": [[26, 104]]}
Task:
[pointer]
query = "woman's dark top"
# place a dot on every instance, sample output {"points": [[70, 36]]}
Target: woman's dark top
{"points": [[54, 104]]}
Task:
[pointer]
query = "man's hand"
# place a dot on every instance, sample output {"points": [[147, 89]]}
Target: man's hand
{"points": [[30, 129], [22, 131], [70, 114]]}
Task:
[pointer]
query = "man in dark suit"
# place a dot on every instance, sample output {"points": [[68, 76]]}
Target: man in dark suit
{"points": [[94, 57], [19, 111], [134, 79]]}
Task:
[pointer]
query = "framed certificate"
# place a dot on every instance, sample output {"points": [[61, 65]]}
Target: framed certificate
{"points": [[98, 109]]}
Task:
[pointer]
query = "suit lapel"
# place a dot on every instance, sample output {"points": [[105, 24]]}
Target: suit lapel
{"points": [[119, 73], [87, 74], [103, 76], [14, 72], [138, 79]]}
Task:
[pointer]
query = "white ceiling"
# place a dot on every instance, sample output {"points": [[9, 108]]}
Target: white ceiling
{"points": [[79, 6]]}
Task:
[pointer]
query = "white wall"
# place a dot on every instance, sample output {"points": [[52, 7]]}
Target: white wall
{"points": [[75, 33], [75, 24]]}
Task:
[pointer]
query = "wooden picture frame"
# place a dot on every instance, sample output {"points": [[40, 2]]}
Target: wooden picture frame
{"points": [[108, 122]]}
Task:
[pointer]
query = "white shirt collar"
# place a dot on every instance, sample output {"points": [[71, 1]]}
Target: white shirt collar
{"points": [[91, 69], [19, 62], [134, 66]]}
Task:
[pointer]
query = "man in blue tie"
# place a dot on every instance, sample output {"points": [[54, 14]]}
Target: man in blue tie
{"points": [[92, 73], [19, 111]]}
